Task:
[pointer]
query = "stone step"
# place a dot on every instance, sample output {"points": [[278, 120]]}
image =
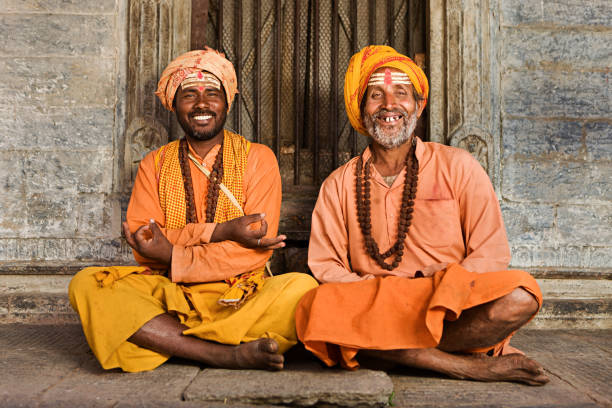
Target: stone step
{"points": [[568, 303], [52, 366], [309, 385]]}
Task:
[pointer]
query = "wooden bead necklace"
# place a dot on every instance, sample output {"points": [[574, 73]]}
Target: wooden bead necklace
{"points": [[362, 182], [212, 196]]}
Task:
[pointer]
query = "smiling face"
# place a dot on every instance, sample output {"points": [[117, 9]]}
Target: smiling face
{"points": [[390, 110], [201, 108]]}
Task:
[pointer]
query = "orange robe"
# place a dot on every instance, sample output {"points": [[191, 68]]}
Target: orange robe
{"points": [[457, 234], [114, 302], [191, 260]]}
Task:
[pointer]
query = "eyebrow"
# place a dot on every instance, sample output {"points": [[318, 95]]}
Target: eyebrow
{"points": [[395, 86]]}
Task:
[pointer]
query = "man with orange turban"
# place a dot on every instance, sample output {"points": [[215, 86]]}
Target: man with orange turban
{"points": [[409, 244], [201, 290]]}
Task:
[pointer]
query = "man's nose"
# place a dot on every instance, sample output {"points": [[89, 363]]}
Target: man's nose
{"points": [[201, 101], [389, 100]]}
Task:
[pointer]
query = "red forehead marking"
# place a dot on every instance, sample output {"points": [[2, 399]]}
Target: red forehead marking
{"points": [[200, 75], [201, 88], [388, 80]]}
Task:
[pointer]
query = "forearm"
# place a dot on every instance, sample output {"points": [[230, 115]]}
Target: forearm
{"points": [[214, 261]]}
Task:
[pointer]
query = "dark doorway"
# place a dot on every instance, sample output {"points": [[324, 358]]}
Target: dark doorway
{"points": [[290, 58]]}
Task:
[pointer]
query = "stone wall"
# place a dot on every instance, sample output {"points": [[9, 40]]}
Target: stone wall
{"points": [[63, 119], [556, 132], [62, 87]]}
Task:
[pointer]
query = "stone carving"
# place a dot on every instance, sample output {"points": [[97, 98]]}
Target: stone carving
{"points": [[143, 135], [464, 107], [477, 147]]}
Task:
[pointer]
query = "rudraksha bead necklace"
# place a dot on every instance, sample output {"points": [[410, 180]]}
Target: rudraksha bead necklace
{"points": [[362, 182], [212, 196]]}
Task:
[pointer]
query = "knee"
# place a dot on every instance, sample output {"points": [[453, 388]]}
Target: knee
{"points": [[515, 309], [300, 283], [81, 284]]}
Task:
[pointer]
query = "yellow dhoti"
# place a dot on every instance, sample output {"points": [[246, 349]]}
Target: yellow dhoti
{"points": [[112, 313]]}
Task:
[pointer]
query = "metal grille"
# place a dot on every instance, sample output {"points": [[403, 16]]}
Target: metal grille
{"points": [[290, 58]]}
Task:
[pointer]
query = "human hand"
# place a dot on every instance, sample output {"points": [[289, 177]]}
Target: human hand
{"points": [[149, 242], [239, 230]]}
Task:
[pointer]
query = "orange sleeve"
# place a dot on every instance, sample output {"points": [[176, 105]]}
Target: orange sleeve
{"points": [[328, 247], [207, 262], [486, 244]]}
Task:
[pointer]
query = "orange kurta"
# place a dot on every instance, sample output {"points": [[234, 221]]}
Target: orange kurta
{"points": [[192, 261], [457, 239], [456, 219]]}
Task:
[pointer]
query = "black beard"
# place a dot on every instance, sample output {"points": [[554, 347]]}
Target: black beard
{"points": [[203, 136]]}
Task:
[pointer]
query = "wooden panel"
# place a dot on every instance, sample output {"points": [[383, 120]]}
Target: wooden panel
{"points": [[199, 16]]}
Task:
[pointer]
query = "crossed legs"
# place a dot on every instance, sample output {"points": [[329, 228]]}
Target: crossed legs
{"points": [[164, 334], [478, 327]]}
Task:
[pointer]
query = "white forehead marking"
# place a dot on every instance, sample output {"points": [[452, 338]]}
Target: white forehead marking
{"points": [[202, 79], [387, 77]]}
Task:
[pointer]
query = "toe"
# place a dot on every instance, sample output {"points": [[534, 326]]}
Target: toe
{"points": [[269, 346], [276, 362]]}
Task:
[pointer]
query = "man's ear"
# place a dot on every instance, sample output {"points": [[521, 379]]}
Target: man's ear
{"points": [[224, 97], [421, 107]]}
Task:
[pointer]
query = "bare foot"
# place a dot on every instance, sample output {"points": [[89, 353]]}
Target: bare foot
{"points": [[261, 353], [511, 367]]}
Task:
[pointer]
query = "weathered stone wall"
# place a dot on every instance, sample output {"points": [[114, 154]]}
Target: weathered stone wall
{"points": [[556, 133], [63, 119], [62, 80]]}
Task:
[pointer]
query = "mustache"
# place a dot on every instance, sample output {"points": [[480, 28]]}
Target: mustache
{"points": [[202, 112], [386, 111]]}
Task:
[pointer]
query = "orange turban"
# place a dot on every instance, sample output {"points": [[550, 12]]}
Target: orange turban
{"points": [[193, 61], [362, 66]]}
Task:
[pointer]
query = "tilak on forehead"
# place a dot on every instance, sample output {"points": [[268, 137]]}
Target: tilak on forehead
{"points": [[389, 78], [201, 80]]}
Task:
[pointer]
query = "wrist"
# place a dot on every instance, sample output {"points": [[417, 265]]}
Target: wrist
{"points": [[218, 234], [169, 255]]}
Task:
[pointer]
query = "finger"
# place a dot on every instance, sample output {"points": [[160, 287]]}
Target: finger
{"points": [[252, 218], [142, 234], [154, 228], [273, 243], [277, 246], [264, 227], [128, 234], [125, 228]]}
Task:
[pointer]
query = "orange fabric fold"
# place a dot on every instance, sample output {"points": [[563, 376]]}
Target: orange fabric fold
{"points": [[336, 320]]}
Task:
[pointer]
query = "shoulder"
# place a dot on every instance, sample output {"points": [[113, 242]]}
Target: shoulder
{"points": [[261, 151], [261, 159], [155, 158], [261, 155], [457, 161], [339, 177], [454, 155]]}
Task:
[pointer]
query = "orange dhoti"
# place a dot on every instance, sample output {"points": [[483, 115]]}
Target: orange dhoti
{"points": [[336, 320]]}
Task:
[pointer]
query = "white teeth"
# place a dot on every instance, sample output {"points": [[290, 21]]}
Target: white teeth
{"points": [[206, 117], [391, 118]]}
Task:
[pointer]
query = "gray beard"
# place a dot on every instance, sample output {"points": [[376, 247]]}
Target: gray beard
{"points": [[391, 140]]}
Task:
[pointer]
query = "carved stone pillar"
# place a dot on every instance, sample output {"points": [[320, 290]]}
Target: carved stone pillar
{"points": [[464, 107], [158, 31]]}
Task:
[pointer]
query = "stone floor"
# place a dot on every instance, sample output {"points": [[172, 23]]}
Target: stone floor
{"points": [[51, 366]]}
